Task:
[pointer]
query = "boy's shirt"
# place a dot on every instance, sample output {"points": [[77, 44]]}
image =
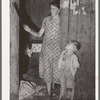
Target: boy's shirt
{"points": [[70, 61], [74, 64]]}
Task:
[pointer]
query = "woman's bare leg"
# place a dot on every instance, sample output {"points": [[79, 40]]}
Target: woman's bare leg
{"points": [[72, 94], [49, 88]]}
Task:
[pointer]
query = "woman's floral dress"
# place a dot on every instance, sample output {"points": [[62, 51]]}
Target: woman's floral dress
{"points": [[50, 53]]}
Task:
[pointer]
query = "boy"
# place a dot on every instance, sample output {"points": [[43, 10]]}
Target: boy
{"points": [[68, 64]]}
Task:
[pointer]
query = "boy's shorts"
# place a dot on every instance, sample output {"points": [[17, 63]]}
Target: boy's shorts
{"points": [[67, 79]]}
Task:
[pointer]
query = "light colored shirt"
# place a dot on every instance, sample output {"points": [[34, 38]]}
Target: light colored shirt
{"points": [[70, 61]]}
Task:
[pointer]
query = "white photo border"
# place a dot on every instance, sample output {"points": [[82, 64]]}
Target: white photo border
{"points": [[6, 50]]}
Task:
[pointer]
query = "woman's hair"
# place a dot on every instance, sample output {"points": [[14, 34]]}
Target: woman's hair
{"points": [[77, 44], [55, 3]]}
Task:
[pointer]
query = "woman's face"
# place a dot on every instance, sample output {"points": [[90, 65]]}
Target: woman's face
{"points": [[54, 10]]}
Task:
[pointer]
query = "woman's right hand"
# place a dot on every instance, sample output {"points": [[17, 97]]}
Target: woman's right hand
{"points": [[26, 28]]}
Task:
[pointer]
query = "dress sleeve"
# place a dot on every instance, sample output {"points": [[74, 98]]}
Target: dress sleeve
{"points": [[44, 22], [76, 63]]}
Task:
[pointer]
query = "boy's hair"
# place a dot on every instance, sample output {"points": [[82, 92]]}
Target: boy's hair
{"points": [[56, 3], [77, 44]]}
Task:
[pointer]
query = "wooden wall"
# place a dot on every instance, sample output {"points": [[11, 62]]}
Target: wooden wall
{"points": [[78, 23], [14, 52]]}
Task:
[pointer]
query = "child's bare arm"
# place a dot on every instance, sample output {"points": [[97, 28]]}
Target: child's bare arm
{"points": [[60, 60]]}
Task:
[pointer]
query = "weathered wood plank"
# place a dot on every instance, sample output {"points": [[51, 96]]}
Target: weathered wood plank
{"points": [[14, 52], [79, 24]]}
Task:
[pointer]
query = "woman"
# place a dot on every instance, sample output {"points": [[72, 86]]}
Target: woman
{"points": [[50, 53]]}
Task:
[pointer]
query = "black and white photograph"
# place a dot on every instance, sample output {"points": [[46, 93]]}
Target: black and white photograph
{"points": [[52, 50]]}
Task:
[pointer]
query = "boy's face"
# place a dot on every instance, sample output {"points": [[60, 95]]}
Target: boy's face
{"points": [[71, 47]]}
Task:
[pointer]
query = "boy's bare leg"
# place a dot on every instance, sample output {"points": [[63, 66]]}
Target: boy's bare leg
{"points": [[72, 94], [62, 90], [63, 85]]}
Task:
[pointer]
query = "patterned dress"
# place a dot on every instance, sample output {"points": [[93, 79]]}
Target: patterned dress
{"points": [[50, 53]]}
